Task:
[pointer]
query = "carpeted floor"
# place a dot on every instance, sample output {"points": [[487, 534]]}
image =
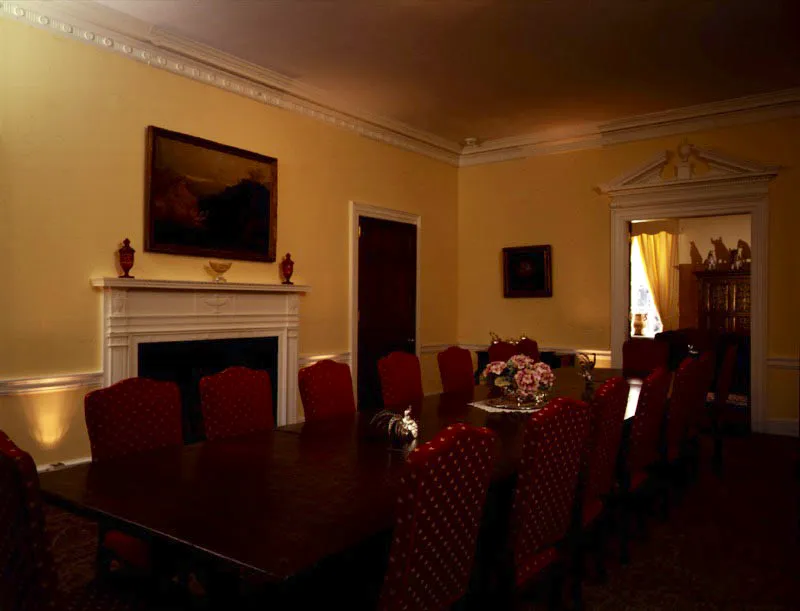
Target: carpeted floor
{"points": [[730, 543]]}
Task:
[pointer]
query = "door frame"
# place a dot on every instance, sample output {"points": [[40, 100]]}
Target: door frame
{"points": [[734, 188], [358, 210]]}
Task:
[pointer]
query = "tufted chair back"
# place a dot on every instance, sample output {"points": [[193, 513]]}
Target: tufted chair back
{"points": [[439, 511], [455, 368], [502, 351], [235, 402], [600, 459], [529, 347], [549, 466], [647, 425], [326, 389], [133, 415], [401, 378]]}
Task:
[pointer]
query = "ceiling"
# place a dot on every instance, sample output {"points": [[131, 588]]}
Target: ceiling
{"points": [[492, 69]]}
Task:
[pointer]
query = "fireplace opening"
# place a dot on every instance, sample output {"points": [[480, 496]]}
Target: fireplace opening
{"points": [[186, 362]]}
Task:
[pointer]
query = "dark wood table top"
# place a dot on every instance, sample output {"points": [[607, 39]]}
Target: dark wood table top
{"points": [[276, 502]]}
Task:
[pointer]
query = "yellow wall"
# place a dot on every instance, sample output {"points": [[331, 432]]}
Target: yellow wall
{"points": [[72, 123], [701, 230], [552, 200]]}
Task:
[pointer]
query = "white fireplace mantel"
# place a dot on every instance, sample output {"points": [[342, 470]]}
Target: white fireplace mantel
{"points": [[136, 311]]}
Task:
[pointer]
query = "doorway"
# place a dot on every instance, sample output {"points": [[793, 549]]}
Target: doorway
{"points": [[385, 293], [690, 277]]}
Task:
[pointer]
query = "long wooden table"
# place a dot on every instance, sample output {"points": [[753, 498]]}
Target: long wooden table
{"points": [[277, 502]]}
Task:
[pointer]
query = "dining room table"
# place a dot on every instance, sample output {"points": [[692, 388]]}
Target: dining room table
{"points": [[279, 502]]}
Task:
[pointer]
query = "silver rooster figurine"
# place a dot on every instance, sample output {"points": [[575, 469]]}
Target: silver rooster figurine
{"points": [[400, 428]]}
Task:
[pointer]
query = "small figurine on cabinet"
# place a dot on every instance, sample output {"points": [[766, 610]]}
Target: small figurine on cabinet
{"points": [[287, 268], [711, 260], [738, 259], [126, 258]]}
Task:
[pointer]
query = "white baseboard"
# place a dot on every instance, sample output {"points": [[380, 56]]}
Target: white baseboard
{"points": [[784, 426]]}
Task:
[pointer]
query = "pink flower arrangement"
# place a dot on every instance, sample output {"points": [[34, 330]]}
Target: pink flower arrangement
{"points": [[520, 374]]}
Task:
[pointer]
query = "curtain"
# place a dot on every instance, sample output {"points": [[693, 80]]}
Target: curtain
{"points": [[660, 256]]}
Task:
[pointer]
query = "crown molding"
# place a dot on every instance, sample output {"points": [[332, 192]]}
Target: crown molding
{"points": [[113, 31], [91, 23], [738, 111]]}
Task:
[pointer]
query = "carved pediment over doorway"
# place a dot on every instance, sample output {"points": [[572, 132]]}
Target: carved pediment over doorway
{"points": [[687, 167]]}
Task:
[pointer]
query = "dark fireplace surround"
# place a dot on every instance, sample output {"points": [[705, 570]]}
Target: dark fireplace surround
{"points": [[186, 362]]}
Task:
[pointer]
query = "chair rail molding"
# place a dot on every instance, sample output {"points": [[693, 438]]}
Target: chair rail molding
{"points": [[50, 383], [730, 186]]}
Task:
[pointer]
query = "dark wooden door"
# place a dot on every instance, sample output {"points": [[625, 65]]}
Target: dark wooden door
{"points": [[387, 299]]}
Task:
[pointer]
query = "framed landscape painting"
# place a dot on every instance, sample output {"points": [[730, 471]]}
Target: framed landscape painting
{"points": [[527, 271], [207, 199]]}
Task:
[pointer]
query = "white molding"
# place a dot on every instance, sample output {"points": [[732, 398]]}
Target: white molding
{"points": [[195, 285], [786, 427], [309, 359], [63, 464], [725, 113], [435, 348], [60, 382], [357, 210], [732, 187], [784, 362], [113, 31]]}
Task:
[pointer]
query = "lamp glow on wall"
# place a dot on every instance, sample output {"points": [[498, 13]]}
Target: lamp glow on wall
{"points": [[49, 415]]}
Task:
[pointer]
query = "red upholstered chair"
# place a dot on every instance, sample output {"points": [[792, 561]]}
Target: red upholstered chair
{"points": [[29, 581], [552, 446], [600, 458], [401, 378], [439, 511], [719, 406], [134, 415], [643, 453], [326, 389], [236, 401], [455, 369], [647, 427], [684, 391], [727, 369], [641, 357], [529, 347], [131, 416], [707, 362], [502, 351]]}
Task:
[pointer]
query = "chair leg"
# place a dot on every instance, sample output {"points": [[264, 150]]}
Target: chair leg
{"points": [[716, 460], [577, 561], [555, 599], [103, 557], [626, 515], [601, 539]]}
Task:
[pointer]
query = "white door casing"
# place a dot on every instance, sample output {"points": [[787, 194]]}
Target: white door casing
{"points": [[357, 210]]}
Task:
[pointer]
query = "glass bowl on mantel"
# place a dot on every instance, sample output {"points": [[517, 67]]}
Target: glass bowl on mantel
{"points": [[219, 268]]}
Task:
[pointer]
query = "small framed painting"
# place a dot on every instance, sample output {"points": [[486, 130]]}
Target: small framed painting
{"points": [[527, 271], [207, 199]]}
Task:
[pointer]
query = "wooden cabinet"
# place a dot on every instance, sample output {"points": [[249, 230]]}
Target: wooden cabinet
{"points": [[724, 301]]}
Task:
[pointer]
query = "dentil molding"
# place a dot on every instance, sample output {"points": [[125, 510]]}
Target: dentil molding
{"points": [[113, 31]]}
